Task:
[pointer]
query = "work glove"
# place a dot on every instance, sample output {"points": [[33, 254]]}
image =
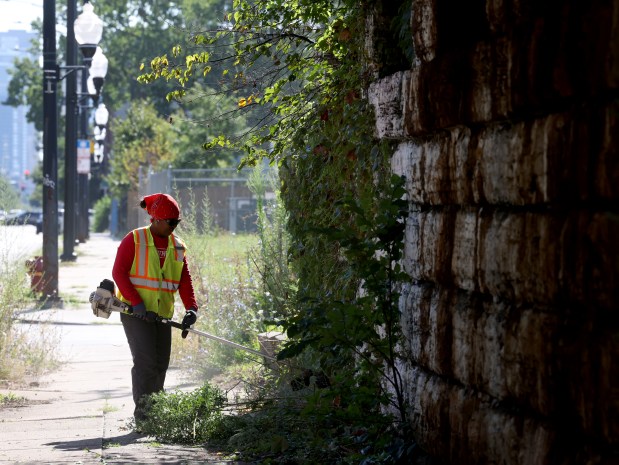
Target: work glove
{"points": [[190, 318], [139, 311]]}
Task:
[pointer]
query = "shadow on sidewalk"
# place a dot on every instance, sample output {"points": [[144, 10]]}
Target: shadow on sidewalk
{"points": [[136, 448]]}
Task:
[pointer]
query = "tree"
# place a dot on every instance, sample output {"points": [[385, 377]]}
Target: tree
{"points": [[292, 62], [142, 140], [26, 82], [9, 198], [203, 114], [134, 31]]}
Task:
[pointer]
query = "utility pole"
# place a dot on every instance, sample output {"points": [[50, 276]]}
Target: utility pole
{"points": [[50, 153], [82, 178], [86, 30], [70, 161]]}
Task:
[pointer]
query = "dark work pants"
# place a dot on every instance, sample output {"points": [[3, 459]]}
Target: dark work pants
{"points": [[150, 345]]}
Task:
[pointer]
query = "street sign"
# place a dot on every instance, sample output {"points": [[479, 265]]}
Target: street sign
{"points": [[83, 156]]}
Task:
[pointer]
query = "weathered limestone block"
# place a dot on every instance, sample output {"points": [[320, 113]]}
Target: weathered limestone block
{"points": [[512, 163], [423, 25], [523, 257], [415, 302], [426, 322], [497, 15], [413, 102], [601, 236], [428, 245], [480, 95], [373, 62], [437, 168], [505, 353], [385, 96], [496, 171], [463, 346], [518, 164], [590, 267], [607, 166], [463, 259], [501, 83], [526, 357], [435, 97], [592, 380], [529, 356], [461, 164], [515, 256], [518, 256], [612, 70], [453, 423], [402, 165], [535, 154]]}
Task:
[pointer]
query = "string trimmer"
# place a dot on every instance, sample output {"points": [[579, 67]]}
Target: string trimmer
{"points": [[104, 302]]}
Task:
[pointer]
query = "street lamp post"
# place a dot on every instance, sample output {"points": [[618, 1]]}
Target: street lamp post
{"points": [[89, 27], [70, 159], [97, 73], [85, 31], [50, 152]]}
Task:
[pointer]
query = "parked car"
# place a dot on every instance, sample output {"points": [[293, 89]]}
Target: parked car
{"points": [[39, 223], [21, 217]]}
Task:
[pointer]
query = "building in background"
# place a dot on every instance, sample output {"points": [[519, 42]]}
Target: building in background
{"points": [[18, 138]]}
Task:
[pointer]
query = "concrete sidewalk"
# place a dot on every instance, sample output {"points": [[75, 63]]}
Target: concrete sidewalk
{"points": [[80, 413]]}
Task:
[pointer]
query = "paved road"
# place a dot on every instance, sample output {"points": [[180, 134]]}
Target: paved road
{"points": [[80, 414], [19, 242]]}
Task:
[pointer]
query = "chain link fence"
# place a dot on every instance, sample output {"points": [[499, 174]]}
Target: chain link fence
{"points": [[218, 196]]}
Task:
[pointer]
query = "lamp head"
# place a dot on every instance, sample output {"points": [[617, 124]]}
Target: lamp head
{"points": [[101, 115], [88, 29]]}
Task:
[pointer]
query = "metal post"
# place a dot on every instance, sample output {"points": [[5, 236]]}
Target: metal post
{"points": [[70, 161], [82, 178], [50, 153], [84, 207]]}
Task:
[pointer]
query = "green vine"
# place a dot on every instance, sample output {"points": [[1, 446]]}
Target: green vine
{"points": [[298, 71], [288, 63]]}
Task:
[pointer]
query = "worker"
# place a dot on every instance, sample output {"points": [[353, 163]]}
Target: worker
{"points": [[150, 267]]}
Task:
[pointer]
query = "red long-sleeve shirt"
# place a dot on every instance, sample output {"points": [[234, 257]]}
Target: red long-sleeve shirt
{"points": [[124, 261]]}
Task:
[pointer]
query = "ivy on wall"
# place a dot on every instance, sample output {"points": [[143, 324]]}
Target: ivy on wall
{"points": [[299, 70]]}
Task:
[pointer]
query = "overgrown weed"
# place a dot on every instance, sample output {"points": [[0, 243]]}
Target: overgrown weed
{"points": [[185, 417], [27, 350], [225, 286]]}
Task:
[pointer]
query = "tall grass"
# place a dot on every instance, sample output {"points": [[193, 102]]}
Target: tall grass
{"points": [[26, 349], [242, 281], [270, 257], [224, 285]]}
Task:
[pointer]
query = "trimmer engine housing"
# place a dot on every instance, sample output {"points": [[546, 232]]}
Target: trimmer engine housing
{"points": [[104, 302]]}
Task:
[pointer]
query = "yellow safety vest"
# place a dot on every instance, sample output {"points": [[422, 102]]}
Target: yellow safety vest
{"points": [[156, 284]]}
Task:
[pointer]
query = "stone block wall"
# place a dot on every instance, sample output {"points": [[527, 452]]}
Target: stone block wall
{"points": [[506, 127]]}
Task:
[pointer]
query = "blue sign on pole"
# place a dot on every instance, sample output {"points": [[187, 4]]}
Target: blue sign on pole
{"points": [[83, 156]]}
